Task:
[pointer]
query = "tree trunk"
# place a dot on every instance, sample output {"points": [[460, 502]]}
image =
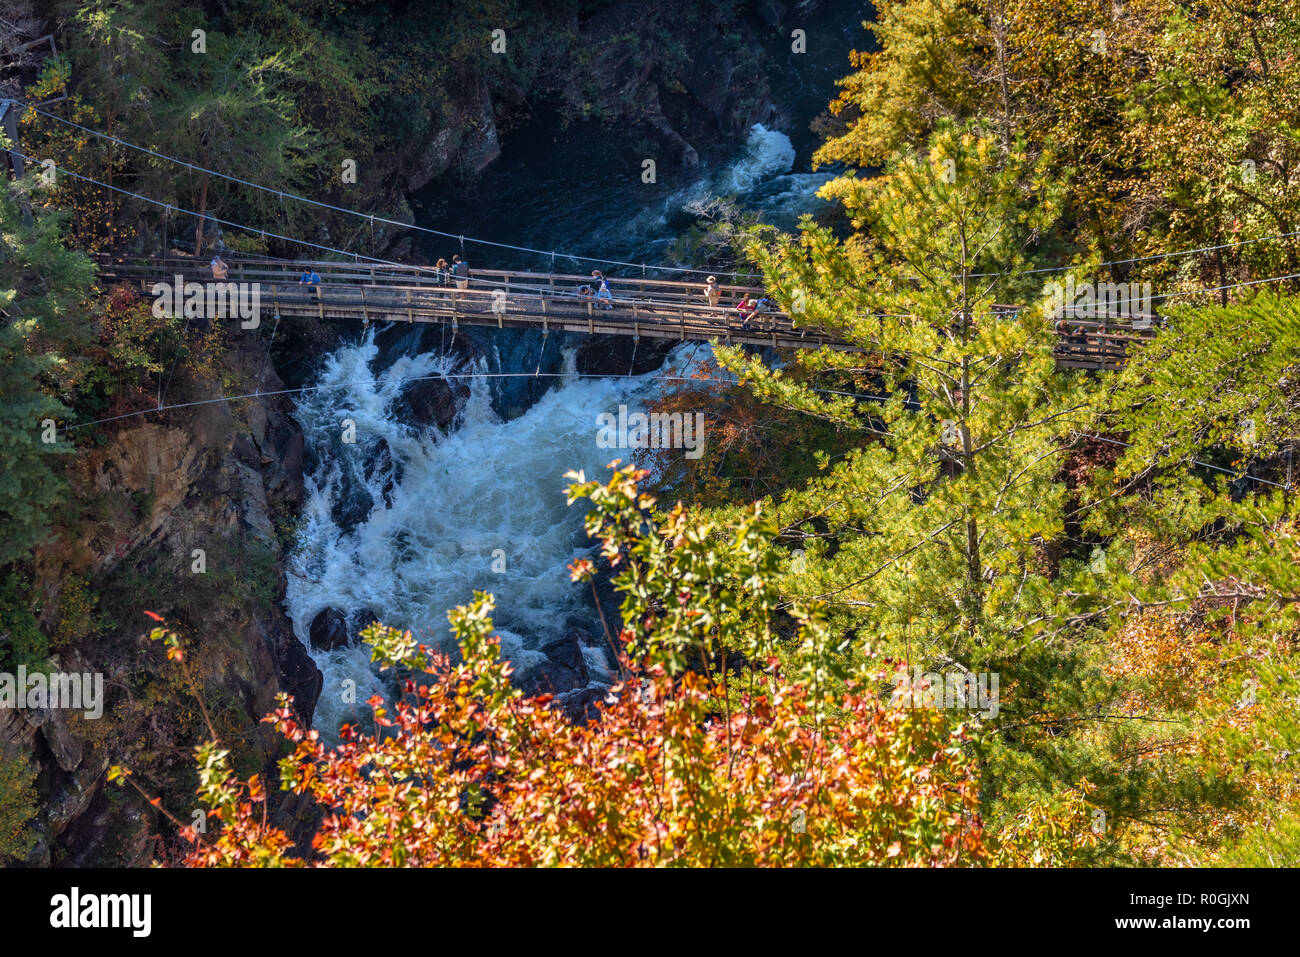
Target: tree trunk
{"points": [[203, 211], [974, 566]]}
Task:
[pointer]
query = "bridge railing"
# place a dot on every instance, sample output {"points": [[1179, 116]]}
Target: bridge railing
{"points": [[622, 287], [687, 319], [405, 292]]}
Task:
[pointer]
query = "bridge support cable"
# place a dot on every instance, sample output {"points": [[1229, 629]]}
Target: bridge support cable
{"points": [[266, 359], [35, 108], [340, 209], [538, 371], [591, 375]]}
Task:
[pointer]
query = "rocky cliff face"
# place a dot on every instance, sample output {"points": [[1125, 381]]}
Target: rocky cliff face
{"points": [[192, 510], [678, 71]]}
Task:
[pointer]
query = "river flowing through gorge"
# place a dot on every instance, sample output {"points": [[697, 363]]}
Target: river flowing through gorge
{"points": [[412, 517]]}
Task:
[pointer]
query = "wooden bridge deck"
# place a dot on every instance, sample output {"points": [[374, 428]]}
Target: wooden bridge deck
{"points": [[654, 308]]}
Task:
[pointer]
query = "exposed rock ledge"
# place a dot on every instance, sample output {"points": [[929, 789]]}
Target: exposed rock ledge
{"points": [[220, 478]]}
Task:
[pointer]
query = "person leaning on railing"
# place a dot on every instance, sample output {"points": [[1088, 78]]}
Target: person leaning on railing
{"points": [[745, 309]]}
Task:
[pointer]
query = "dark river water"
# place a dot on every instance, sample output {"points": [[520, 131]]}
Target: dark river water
{"points": [[579, 189]]}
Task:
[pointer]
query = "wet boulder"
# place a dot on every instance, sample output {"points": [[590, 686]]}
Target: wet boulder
{"points": [[432, 401], [353, 506], [300, 678], [582, 704], [329, 630], [565, 668]]}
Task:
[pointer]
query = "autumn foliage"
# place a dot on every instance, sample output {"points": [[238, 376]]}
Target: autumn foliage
{"points": [[463, 770]]}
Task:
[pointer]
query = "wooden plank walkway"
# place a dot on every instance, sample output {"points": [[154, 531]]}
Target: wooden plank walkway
{"points": [[654, 308]]}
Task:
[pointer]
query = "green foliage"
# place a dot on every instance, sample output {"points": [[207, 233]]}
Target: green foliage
{"points": [[1219, 378], [76, 612], [1276, 844], [121, 371], [17, 807], [937, 524], [689, 590], [42, 287], [21, 640]]}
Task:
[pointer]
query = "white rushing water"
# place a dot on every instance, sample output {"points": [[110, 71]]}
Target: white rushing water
{"points": [[760, 177], [481, 507]]}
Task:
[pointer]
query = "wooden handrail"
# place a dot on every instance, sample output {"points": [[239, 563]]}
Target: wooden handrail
{"points": [[657, 307]]}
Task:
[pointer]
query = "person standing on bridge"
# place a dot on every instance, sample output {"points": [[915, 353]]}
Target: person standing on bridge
{"points": [[603, 295], [442, 272], [219, 269], [712, 291], [460, 269]]}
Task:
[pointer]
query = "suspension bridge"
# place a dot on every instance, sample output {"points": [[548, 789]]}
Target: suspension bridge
{"points": [[505, 299], [373, 289]]}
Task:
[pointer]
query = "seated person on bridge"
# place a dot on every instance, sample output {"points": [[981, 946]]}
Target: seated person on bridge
{"points": [[585, 292], [219, 269], [309, 278]]}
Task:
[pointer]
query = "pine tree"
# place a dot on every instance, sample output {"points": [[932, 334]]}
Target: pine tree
{"points": [[940, 519], [43, 288]]}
